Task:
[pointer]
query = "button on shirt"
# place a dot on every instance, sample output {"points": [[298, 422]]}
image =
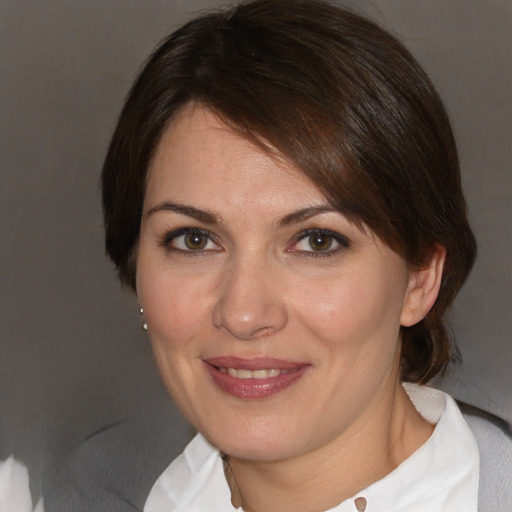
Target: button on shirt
{"points": [[441, 476]]}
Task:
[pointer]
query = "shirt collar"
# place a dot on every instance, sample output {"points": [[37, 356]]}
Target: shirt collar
{"points": [[442, 475]]}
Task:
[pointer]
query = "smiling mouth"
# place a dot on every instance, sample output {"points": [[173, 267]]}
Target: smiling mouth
{"points": [[241, 373], [254, 378]]}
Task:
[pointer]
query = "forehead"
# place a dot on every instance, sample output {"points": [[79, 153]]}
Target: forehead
{"points": [[200, 158]]}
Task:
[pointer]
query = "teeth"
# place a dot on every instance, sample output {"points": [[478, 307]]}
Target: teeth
{"points": [[260, 374], [252, 374], [244, 374]]}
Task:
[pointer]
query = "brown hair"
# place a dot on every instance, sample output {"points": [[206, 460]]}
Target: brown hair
{"points": [[339, 98]]}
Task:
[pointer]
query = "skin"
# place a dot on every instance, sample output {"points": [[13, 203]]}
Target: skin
{"points": [[260, 288]]}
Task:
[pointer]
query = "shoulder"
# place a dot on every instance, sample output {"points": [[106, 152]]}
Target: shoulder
{"points": [[494, 438], [195, 464], [113, 468], [194, 481]]}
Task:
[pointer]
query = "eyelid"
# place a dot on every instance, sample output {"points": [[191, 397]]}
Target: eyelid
{"points": [[168, 237], [342, 241]]}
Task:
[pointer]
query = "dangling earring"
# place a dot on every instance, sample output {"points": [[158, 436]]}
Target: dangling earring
{"points": [[144, 323]]}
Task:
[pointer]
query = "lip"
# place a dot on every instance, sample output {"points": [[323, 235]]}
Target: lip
{"points": [[253, 389]]}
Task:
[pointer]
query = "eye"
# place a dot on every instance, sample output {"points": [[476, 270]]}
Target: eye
{"points": [[190, 240], [320, 242]]}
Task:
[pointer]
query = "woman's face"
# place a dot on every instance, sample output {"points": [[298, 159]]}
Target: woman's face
{"points": [[274, 320]]}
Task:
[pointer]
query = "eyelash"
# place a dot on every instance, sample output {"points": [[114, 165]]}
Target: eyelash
{"points": [[171, 236], [344, 243]]}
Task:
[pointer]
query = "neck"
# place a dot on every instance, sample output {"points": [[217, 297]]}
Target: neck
{"points": [[375, 444]]}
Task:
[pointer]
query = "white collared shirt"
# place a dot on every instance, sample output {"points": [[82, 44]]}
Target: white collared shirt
{"points": [[441, 476]]}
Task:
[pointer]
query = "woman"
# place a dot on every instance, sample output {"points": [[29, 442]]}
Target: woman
{"points": [[283, 194]]}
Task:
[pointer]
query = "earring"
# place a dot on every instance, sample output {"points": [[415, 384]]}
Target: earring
{"points": [[144, 323]]}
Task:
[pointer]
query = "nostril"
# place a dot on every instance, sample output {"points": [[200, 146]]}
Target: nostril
{"points": [[259, 333], [248, 306]]}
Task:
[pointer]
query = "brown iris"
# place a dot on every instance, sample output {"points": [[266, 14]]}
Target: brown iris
{"points": [[320, 241], [195, 241]]}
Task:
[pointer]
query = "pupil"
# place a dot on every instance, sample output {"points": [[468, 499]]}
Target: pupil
{"points": [[320, 242], [195, 241]]}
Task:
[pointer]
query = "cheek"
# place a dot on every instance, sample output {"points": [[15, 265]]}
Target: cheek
{"points": [[175, 307], [354, 310], [176, 311]]}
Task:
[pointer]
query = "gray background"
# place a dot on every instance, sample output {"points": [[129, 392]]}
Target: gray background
{"points": [[72, 356]]}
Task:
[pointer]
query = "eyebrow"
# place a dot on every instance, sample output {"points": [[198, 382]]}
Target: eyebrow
{"points": [[204, 216], [208, 217], [305, 214]]}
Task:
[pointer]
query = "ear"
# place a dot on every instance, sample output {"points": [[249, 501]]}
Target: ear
{"points": [[423, 288]]}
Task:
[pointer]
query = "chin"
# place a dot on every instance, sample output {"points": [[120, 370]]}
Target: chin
{"points": [[255, 444], [257, 452]]}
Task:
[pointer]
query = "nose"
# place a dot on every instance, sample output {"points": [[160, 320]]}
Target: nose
{"points": [[251, 303]]}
